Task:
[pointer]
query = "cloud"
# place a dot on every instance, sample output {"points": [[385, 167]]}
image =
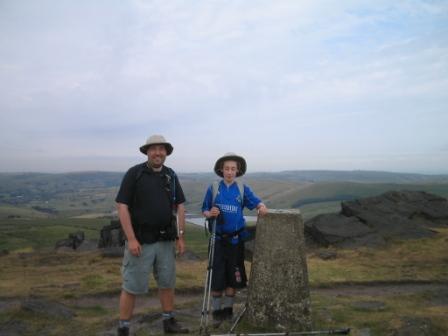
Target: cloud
{"points": [[276, 76]]}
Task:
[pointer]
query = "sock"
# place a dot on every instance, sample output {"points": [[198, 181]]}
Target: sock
{"points": [[216, 303], [167, 315], [124, 324], [228, 301]]}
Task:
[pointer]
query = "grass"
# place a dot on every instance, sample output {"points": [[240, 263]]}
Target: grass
{"points": [[411, 260], [311, 210], [338, 311], [41, 234], [33, 269]]}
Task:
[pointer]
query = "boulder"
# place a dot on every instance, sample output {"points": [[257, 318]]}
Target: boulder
{"points": [[111, 235], [51, 309], [13, 327], [88, 245], [374, 220], [327, 255], [113, 252], [338, 230], [400, 214], [73, 241]]}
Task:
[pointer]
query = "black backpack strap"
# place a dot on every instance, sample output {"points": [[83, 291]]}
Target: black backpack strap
{"points": [[173, 177]]}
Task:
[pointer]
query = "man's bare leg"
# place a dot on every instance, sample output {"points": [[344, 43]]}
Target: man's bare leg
{"points": [[166, 296], [127, 302]]}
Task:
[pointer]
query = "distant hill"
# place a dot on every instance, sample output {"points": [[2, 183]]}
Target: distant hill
{"points": [[73, 194], [360, 176]]}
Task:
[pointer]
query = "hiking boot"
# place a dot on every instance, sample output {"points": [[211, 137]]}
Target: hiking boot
{"points": [[218, 315], [123, 331], [171, 326], [227, 313]]}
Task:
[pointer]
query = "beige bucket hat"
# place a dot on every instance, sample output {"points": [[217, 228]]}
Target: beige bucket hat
{"points": [[156, 140], [231, 157]]}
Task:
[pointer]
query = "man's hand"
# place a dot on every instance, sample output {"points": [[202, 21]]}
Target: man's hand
{"points": [[180, 245], [134, 247]]}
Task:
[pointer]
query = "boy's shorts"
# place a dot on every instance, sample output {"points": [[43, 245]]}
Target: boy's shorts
{"points": [[228, 266], [158, 258]]}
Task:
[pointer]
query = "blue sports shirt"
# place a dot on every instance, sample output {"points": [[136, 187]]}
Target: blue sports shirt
{"points": [[228, 200]]}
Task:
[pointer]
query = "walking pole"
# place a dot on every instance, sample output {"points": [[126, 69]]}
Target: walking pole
{"points": [[238, 318], [208, 281], [294, 333]]}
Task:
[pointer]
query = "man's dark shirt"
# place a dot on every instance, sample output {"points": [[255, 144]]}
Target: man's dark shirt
{"points": [[147, 194]]}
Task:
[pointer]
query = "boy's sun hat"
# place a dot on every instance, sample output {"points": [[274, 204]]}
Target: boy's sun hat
{"points": [[231, 157], [156, 140]]}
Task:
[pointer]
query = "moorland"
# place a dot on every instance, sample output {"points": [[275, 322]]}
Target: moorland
{"points": [[398, 289]]}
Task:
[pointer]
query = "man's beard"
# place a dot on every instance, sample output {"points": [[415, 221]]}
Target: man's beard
{"points": [[155, 165]]}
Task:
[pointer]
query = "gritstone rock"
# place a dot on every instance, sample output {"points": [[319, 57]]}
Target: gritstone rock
{"points": [[372, 221], [52, 309], [112, 240], [74, 241]]}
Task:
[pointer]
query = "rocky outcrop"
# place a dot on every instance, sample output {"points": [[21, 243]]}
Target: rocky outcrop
{"points": [[73, 241], [111, 235], [112, 240], [374, 220]]}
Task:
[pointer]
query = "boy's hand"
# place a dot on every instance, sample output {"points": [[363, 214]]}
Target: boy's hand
{"points": [[262, 209], [214, 212]]}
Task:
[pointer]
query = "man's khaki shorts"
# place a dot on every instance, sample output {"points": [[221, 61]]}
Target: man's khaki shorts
{"points": [[159, 258]]}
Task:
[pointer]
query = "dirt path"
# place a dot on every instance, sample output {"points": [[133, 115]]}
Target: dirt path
{"points": [[185, 298], [189, 303], [383, 289]]}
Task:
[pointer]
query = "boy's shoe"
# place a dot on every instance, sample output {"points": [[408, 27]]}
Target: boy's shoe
{"points": [[218, 318], [218, 315], [123, 331], [227, 313], [171, 326]]}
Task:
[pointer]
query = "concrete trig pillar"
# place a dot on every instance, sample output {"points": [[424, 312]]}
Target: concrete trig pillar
{"points": [[279, 295]]}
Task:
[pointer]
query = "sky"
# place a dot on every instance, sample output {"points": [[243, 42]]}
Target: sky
{"points": [[289, 85]]}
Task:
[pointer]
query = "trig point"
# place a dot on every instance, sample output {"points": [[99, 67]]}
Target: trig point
{"points": [[279, 295]]}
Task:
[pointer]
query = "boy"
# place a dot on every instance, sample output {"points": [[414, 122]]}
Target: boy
{"points": [[225, 206]]}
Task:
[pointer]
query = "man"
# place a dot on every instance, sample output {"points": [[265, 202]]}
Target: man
{"points": [[149, 200]]}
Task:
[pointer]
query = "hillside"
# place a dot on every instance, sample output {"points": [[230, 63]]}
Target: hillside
{"points": [[30, 195]]}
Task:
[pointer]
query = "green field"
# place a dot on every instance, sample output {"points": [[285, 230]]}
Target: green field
{"points": [[42, 234]]}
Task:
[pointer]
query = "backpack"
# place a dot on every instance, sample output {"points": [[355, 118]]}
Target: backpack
{"points": [[170, 232], [215, 191], [171, 180]]}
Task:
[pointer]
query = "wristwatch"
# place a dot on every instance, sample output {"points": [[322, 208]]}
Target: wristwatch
{"points": [[181, 232]]}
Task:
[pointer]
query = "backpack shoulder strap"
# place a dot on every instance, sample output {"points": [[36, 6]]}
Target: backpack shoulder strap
{"points": [[241, 189], [173, 177], [215, 191], [139, 172]]}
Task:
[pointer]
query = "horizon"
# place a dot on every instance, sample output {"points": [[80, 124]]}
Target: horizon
{"points": [[247, 173], [312, 84]]}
